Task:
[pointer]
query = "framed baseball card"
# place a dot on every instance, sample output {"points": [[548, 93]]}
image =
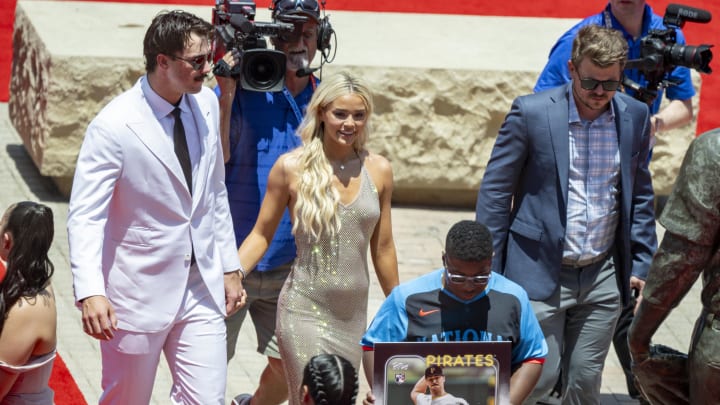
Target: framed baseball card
{"points": [[442, 373]]}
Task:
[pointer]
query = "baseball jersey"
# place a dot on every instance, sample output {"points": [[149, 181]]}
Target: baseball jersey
{"points": [[447, 399], [421, 310]]}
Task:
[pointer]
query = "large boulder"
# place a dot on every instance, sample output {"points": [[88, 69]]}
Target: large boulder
{"points": [[69, 60], [438, 127], [442, 86]]}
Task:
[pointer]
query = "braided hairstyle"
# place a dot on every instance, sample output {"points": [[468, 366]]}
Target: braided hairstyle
{"points": [[28, 267], [331, 380]]}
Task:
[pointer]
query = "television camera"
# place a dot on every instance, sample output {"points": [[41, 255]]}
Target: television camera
{"points": [[260, 68], [660, 53]]}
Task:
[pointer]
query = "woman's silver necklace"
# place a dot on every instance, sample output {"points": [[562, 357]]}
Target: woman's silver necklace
{"points": [[351, 158]]}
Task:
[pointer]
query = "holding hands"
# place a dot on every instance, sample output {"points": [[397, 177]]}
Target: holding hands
{"points": [[98, 317]]}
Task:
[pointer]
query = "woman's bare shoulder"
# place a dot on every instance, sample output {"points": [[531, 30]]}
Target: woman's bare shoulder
{"points": [[290, 160], [30, 308], [377, 162], [30, 327]]}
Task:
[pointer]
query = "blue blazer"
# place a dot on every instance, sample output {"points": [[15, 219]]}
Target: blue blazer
{"points": [[523, 195]]}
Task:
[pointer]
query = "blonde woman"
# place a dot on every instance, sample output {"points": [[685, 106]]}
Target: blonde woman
{"points": [[338, 194]]}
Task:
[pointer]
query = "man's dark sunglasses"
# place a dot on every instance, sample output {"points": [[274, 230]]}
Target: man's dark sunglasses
{"points": [[607, 85], [197, 62]]}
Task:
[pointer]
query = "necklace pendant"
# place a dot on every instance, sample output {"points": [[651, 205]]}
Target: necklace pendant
{"points": [[342, 167]]}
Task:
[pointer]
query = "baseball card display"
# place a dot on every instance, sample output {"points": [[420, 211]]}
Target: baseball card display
{"points": [[475, 373]]}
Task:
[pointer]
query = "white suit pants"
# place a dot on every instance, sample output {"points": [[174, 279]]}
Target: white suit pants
{"points": [[194, 347]]}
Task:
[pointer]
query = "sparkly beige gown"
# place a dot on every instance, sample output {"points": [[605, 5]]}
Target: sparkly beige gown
{"points": [[323, 304]]}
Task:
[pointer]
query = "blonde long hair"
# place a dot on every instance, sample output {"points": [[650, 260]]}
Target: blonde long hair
{"points": [[317, 200]]}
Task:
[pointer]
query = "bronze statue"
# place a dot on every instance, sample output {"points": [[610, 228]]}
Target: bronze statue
{"points": [[689, 248]]}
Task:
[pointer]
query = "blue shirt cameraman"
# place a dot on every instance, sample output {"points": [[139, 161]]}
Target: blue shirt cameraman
{"points": [[257, 127], [635, 20]]}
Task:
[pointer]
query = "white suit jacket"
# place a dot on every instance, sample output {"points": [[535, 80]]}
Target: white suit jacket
{"points": [[132, 221]]}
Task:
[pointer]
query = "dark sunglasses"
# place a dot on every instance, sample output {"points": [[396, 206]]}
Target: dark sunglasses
{"points": [[197, 62], [607, 85], [310, 6]]}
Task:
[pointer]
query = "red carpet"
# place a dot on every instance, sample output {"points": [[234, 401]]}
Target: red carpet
{"points": [[62, 382], [7, 17], [709, 116]]}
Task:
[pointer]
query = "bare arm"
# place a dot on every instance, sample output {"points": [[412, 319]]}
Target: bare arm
{"points": [[382, 244], [676, 114], [523, 381], [7, 380], [368, 361], [227, 95], [419, 388], [29, 329], [16, 346]]}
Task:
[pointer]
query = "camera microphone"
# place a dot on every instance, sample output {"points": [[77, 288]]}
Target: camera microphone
{"points": [[302, 72], [688, 13], [242, 23]]}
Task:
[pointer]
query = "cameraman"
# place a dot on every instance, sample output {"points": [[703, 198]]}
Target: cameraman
{"points": [[257, 127], [634, 19]]}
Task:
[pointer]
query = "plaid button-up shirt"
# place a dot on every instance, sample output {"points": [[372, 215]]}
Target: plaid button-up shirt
{"points": [[593, 206]]}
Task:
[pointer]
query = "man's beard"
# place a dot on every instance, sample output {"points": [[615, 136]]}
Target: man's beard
{"points": [[297, 61]]}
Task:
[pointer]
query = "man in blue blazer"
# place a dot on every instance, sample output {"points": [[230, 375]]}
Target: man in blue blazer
{"points": [[568, 196]]}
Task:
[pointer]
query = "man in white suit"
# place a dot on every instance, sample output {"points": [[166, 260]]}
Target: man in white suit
{"points": [[152, 248]]}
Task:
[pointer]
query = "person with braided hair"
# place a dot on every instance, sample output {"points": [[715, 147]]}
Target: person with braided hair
{"points": [[28, 317], [329, 379]]}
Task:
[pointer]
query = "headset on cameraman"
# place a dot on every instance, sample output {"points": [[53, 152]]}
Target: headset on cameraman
{"points": [[325, 32]]}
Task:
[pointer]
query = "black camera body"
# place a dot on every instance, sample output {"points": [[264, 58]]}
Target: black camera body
{"points": [[660, 53], [260, 68]]}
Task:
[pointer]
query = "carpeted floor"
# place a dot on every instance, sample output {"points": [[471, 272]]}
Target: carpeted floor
{"points": [[62, 382], [7, 16]]}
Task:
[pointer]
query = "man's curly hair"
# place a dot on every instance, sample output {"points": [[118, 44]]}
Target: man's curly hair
{"points": [[469, 241]]}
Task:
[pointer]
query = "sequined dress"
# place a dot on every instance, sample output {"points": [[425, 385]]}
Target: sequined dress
{"points": [[323, 304]]}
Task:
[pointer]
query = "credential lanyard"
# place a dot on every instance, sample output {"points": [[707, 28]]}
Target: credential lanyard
{"points": [[608, 20], [291, 100], [293, 104]]}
